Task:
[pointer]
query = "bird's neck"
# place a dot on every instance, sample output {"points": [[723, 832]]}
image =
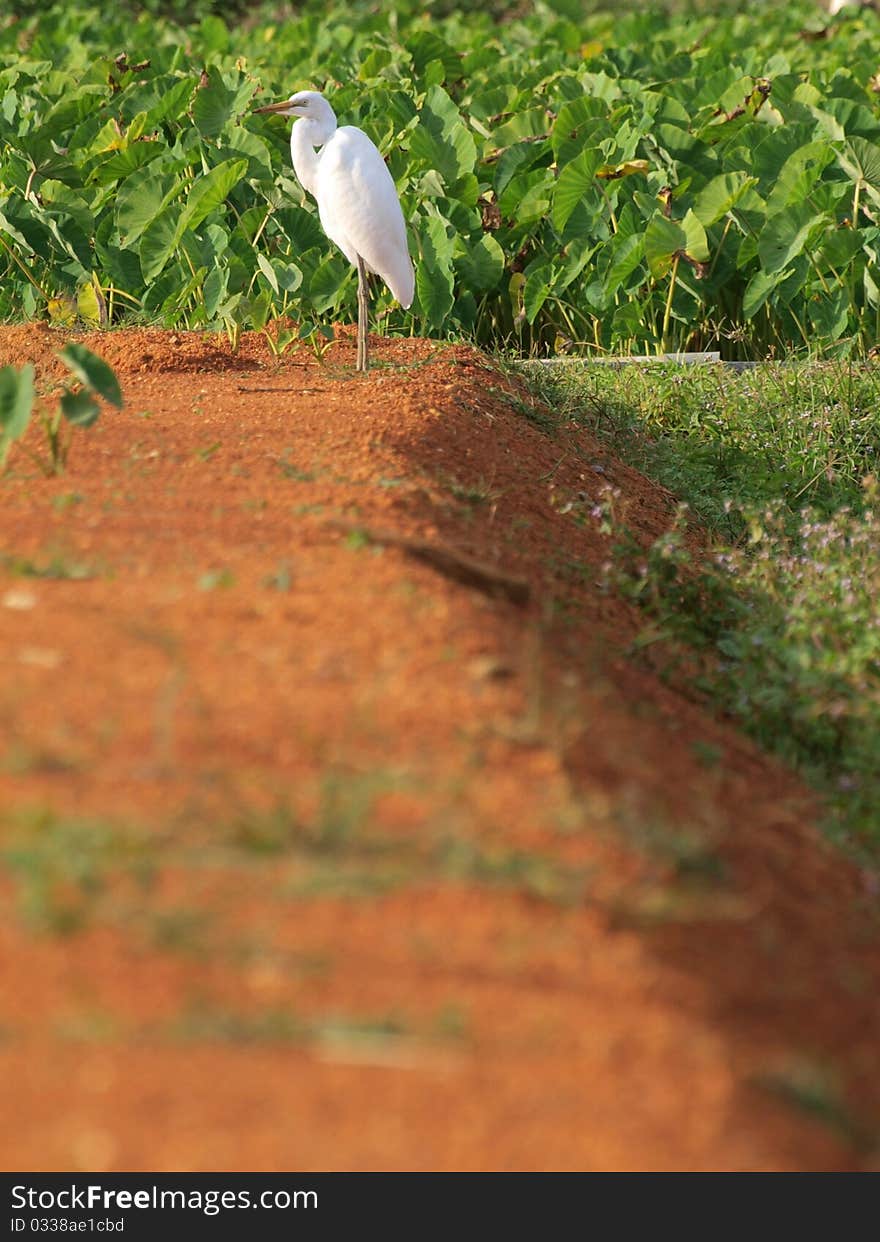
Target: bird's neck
{"points": [[304, 137]]}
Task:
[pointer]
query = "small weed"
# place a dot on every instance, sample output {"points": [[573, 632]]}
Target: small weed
{"points": [[814, 1091], [534, 875], [535, 413], [66, 500], [180, 931], [281, 579], [216, 580], [481, 493], [318, 336], [202, 1024], [279, 340], [357, 540], [64, 406], [64, 868], [58, 566], [707, 754], [291, 471]]}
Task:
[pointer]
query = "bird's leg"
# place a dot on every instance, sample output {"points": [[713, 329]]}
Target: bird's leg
{"points": [[363, 361]]}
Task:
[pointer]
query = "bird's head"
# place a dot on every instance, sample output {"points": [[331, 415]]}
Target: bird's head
{"points": [[310, 105]]}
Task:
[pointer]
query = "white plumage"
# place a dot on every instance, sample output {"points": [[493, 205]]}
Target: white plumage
{"points": [[357, 199]]}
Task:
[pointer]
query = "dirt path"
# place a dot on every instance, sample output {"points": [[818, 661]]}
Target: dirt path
{"points": [[340, 829]]}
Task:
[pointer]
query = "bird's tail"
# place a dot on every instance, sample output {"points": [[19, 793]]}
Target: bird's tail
{"points": [[402, 284]]}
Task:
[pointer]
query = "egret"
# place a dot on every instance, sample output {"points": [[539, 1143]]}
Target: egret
{"points": [[357, 200]]}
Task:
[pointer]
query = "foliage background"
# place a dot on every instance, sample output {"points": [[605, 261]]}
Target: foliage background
{"points": [[573, 178]]}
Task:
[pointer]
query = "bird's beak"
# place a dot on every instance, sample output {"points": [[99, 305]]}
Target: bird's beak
{"points": [[274, 107]]}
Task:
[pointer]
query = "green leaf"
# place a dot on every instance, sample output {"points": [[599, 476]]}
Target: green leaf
{"points": [[434, 284], [663, 240], [628, 254], [482, 265], [121, 164], [92, 371], [79, 408], [141, 198], [214, 290], [574, 181], [266, 268], [539, 283], [91, 305], [696, 243], [784, 236], [159, 242], [719, 195], [759, 289], [441, 141], [860, 160], [799, 175], [288, 275], [16, 402], [327, 284], [210, 191], [425, 46], [215, 103], [830, 315]]}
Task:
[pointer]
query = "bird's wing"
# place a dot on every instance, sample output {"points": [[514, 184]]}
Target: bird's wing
{"points": [[360, 210]]}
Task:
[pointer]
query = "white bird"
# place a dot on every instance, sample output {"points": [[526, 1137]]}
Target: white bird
{"points": [[357, 199]]}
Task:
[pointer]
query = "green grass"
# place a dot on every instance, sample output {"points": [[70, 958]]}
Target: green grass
{"points": [[71, 874], [804, 434], [779, 466]]}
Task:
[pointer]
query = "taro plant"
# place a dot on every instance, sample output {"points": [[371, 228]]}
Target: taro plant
{"points": [[320, 336], [620, 181], [73, 403]]}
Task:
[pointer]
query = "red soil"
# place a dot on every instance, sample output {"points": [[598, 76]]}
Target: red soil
{"points": [[343, 832]]}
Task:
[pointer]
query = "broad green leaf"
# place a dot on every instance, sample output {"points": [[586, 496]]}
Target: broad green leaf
{"points": [[327, 285], [784, 236], [214, 290], [574, 181], [241, 142], [159, 242], [121, 164], [830, 315], [210, 191], [628, 254], [434, 273], [91, 305], [482, 265], [425, 46], [664, 239], [577, 125], [696, 243], [79, 408], [141, 198], [539, 284], [860, 160], [288, 275], [266, 268], [92, 371], [719, 195], [16, 403], [215, 103], [799, 175], [441, 140], [759, 289]]}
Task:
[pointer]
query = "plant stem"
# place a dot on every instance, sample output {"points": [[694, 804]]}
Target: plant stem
{"points": [[667, 312]]}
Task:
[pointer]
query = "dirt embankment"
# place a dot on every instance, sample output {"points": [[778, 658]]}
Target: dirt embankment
{"points": [[341, 830]]}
